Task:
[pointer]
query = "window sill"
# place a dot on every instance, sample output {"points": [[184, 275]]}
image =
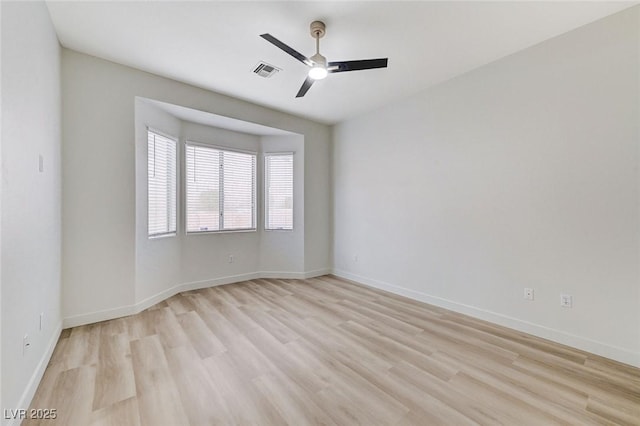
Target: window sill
{"points": [[226, 231], [161, 236]]}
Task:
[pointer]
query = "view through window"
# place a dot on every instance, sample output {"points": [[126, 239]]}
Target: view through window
{"points": [[220, 189]]}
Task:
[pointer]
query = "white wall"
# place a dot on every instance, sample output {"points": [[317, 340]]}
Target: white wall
{"points": [[99, 218], [168, 262], [31, 200], [283, 251], [317, 210], [522, 173], [165, 265], [158, 261], [205, 256], [1, 404]]}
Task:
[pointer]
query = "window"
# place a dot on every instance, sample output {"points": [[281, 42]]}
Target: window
{"points": [[221, 189], [278, 191], [161, 184]]}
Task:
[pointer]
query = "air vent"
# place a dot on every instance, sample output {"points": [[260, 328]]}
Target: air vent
{"points": [[265, 70]]}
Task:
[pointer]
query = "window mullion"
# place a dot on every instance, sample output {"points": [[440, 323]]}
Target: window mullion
{"points": [[254, 173], [221, 190]]}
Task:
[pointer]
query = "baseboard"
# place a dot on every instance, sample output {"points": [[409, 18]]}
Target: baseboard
{"points": [[196, 285], [123, 311], [36, 377], [599, 348], [317, 273], [193, 285], [97, 316], [294, 275], [282, 274]]}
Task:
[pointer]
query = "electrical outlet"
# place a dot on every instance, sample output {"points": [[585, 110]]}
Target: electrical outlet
{"points": [[40, 163], [41, 320], [355, 258], [566, 300], [230, 258], [528, 293], [26, 342]]}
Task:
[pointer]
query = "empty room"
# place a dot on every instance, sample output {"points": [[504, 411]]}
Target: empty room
{"points": [[319, 213]]}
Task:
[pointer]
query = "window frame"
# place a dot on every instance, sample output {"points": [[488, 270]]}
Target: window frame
{"points": [[254, 214], [176, 173], [266, 190]]}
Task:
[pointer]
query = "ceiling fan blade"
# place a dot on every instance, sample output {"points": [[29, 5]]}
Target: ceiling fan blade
{"points": [[305, 87], [291, 51], [364, 64]]}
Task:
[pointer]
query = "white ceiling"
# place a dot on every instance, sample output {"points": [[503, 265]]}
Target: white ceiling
{"points": [[215, 45]]}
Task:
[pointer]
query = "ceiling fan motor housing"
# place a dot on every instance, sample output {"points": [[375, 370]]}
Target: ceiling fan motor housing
{"points": [[317, 29], [318, 59]]}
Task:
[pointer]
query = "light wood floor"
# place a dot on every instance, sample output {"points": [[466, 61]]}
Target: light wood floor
{"points": [[328, 352]]}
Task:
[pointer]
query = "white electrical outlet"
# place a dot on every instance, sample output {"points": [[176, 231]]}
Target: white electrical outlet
{"points": [[528, 293], [566, 300], [40, 163], [41, 320], [230, 258], [355, 258]]}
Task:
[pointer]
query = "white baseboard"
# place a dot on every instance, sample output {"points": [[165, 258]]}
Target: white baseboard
{"points": [[36, 377], [194, 285], [97, 316], [123, 311], [294, 275], [282, 275], [599, 348], [317, 273]]}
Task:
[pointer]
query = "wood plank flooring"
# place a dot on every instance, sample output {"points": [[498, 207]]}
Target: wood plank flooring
{"points": [[323, 351]]}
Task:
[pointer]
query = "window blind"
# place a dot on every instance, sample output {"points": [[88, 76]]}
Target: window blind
{"points": [[239, 190], [278, 191], [203, 189], [220, 189], [161, 184]]}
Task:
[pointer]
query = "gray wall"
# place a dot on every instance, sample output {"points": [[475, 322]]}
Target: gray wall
{"points": [[522, 173], [283, 251], [164, 265], [158, 261], [99, 196], [31, 207]]}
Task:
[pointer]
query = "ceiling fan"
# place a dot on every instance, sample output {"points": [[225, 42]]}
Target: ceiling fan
{"points": [[319, 67]]}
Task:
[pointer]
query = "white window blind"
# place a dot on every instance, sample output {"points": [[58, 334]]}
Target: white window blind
{"points": [[278, 178], [161, 184], [220, 189]]}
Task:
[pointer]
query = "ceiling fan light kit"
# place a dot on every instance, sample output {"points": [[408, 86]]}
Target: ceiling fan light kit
{"points": [[318, 72], [319, 67]]}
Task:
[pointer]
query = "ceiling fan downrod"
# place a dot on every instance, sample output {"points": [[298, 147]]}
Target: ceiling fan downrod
{"points": [[319, 69]]}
